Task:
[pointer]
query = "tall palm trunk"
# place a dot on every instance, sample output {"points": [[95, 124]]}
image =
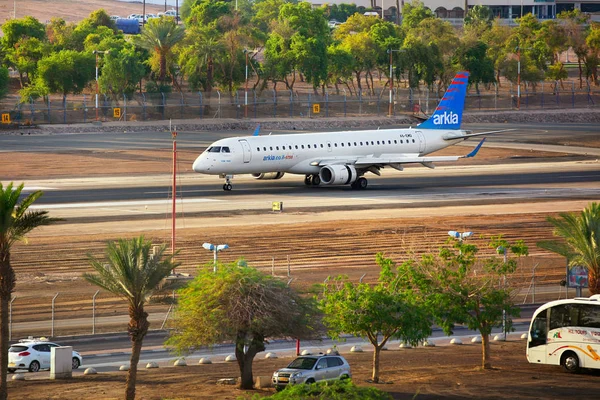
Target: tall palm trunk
{"points": [[137, 329], [7, 284]]}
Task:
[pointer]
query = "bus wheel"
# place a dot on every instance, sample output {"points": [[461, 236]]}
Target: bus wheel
{"points": [[570, 362]]}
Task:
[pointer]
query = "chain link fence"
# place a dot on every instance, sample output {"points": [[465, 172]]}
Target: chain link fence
{"points": [[290, 104]]}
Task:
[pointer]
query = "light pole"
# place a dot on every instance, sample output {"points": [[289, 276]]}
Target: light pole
{"points": [[518, 50], [215, 248], [246, 52], [96, 52], [391, 52]]}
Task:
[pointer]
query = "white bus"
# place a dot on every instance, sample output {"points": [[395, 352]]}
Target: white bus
{"points": [[567, 333]]}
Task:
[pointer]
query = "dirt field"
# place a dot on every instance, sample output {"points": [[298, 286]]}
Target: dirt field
{"points": [[442, 372], [72, 10]]}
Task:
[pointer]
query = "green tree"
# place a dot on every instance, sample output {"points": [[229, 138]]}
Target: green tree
{"points": [[121, 72], [478, 19], [413, 13], [16, 221], [574, 22], [25, 56], [472, 57], [133, 270], [240, 304], [497, 51], [380, 312], [199, 57], [18, 29], [309, 41], [462, 291], [580, 242], [160, 36], [4, 79], [65, 72]]}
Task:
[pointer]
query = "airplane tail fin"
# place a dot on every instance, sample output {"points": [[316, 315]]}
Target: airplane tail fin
{"points": [[448, 114]]}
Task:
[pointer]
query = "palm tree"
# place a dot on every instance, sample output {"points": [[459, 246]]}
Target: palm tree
{"points": [[132, 271], [159, 36], [581, 245], [16, 221]]}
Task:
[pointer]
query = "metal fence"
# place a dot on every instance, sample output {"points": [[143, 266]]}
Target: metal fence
{"points": [[291, 104]]}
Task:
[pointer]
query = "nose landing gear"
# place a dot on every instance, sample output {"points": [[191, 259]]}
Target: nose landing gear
{"points": [[227, 186]]}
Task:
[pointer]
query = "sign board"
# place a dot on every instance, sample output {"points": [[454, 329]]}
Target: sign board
{"points": [[117, 112], [277, 206], [577, 277], [316, 108], [6, 118]]}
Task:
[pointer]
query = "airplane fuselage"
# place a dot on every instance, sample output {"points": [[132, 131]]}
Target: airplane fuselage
{"points": [[301, 153]]}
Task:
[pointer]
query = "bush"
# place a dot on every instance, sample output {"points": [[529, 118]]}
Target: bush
{"points": [[335, 390]]}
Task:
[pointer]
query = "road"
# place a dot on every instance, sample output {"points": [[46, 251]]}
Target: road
{"points": [[108, 352]]}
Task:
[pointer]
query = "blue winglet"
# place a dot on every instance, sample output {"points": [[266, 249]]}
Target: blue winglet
{"points": [[476, 149], [256, 130]]}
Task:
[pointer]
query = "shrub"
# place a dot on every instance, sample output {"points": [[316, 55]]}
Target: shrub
{"points": [[336, 390]]}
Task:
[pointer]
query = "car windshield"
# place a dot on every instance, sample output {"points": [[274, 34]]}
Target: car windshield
{"points": [[303, 363], [17, 349]]}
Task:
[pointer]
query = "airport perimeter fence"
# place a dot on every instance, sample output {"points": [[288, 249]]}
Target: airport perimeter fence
{"points": [[290, 104]]}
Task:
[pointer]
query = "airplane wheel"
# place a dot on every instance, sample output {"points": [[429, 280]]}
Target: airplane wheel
{"points": [[361, 183], [307, 180], [227, 187], [316, 180]]}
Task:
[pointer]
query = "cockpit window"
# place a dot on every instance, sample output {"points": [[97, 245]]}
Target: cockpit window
{"points": [[225, 149], [214, 149]]}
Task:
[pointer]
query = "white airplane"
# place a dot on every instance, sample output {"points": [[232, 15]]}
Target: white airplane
{"points": [[342, 158]]}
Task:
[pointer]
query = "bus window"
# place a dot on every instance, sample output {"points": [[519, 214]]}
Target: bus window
{"points": [[589, 316], [539, 330], [564, 315]]}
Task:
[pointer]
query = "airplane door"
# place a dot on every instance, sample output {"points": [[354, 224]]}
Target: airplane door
{"points": [[422, 144], [246, 150]]}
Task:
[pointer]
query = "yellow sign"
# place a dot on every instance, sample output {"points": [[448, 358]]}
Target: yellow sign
{"points": [[277, 206], [6, 118], [316, 108], [117, 112]]}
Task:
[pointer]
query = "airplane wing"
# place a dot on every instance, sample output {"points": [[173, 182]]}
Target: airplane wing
{"points": [[395, 160], [467, 134]]}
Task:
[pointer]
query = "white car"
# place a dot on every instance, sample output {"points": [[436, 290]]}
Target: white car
{"points": [[138, 17], [169, 13], [34, 355], [310, 369]]}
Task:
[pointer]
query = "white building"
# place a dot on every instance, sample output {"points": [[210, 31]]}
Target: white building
{"points": [[505, 9]]}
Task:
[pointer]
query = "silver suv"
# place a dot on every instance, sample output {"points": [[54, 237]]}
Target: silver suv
{"points": [[310, 369]]}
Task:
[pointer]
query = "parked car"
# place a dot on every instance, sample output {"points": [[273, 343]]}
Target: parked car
{"points": [[310, 369], [114, 18], [169, 13], [34, 355], [150, 16], [138, 17]]}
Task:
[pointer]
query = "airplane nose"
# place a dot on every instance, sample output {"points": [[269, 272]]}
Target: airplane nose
{"points": [[197, 166]]}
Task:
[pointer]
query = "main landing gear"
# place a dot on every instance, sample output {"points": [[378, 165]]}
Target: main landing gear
{"points": [[360, 183], [314, 180], [227, 186]]}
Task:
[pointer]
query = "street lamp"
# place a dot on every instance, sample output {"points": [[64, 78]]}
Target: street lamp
{"points": [[215, 248], [246, 51], [460, 235], [96, 52], [391, 52]]}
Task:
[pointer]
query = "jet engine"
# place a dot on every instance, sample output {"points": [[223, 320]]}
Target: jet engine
{"points": [[338, 174], [269, 175]]}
